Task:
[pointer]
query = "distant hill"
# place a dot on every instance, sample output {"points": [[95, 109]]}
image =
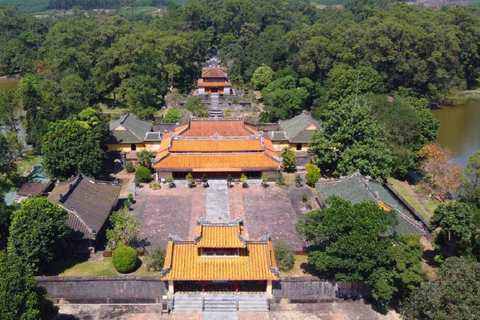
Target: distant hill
{"points": [[37, 6]]}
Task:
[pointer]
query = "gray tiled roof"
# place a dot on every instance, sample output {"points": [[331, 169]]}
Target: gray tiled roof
{"points": [[153, 136], [303, 137], [278, 136], [357, 188], [136, 130], [297, 124], [88, 202]]}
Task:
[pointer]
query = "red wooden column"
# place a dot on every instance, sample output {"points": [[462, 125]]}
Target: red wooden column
{"points": [[203, 286], [236, 286]]}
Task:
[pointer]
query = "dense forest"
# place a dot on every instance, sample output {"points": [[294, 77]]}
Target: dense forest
{"points": [[300, 57]]}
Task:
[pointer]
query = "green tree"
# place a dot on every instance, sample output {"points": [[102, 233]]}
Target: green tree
{"points": [[172, 116], [313, 174], [284, 255], [125, 229], [262, 76], [144, 174], [71, 147], [124, 259], [145, 159], [20, 295], [289, 160], [347, 240], [195, 106], [38, 232], [453, 294], [455, 220], [155, 259], [351, 140], [470, 187]]}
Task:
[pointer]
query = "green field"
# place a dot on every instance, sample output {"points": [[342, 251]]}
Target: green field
{"points": [[45, 13], [136, 11]]}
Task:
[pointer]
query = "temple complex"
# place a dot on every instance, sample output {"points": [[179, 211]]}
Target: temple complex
{"points": [[220, 259], [214, 80], [216, 147]]}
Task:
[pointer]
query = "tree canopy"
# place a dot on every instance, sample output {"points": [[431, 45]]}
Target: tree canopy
{"points": [[38, 232], [453, 294], [20, 295]]}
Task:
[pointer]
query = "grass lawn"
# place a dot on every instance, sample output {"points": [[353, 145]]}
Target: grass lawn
{"points": [[430, 204], [25, 166], [297, 270], [75, 267], [44, 13]]}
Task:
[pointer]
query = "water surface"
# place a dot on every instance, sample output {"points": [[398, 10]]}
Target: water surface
{"points": [[460, 129]]}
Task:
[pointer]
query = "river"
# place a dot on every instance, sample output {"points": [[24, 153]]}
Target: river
{"points": [[460, 129]]}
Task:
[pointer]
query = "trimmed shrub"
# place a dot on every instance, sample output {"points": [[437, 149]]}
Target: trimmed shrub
{"points": [[279, 179], [284, 256], [124, 259], [129, 167], [144, 174]]}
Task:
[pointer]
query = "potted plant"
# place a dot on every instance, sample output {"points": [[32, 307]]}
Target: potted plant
{"points": [[304, 197], [130, 198], [229, 180], [244, 180], [205, 180], [190, 180], [298, 181], [264, 180], [170, 182]]}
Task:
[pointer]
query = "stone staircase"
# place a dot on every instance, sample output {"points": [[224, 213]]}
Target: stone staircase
{"points": [[211, 302], [220, 302], [187, 302], [253, 303]]}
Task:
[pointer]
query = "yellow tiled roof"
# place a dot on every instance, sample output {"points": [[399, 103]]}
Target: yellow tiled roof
{"points": [[220, 236], [255, 261]]}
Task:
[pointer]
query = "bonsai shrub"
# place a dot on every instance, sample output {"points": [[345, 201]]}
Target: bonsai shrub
{"points": [[243, 178], [204, 178], [284, 255], [279, 179], [304, 197], [313, 174], [298, 180], [144, 174], [129, 167], [169, 179], [154, 260], [124, 259], [130, 198], [154, 185], [229, 178]]}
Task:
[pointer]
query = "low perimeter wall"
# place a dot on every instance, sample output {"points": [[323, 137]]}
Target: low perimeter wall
{"points": [[99, 290], [104, 289], [306, 289]]}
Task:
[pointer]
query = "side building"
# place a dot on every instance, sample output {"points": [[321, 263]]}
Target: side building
{"points": [[216, 147], [128, 135], [88, 202], [295, 133], [220, 259], [357, 188]]}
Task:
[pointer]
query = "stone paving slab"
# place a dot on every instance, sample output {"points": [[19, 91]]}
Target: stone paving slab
{"points": [[218, 209]]}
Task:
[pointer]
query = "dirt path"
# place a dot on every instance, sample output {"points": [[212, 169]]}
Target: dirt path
{"points": [[417, 199]]}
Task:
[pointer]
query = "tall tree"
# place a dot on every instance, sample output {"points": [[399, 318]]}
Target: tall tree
{"points": [[20, 295], [351, 140], [38, 232], [455, 220], [71, 147], [289, 160], [453, 294]]}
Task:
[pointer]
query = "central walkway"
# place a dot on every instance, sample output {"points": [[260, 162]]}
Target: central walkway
{"points": [[218, 209]]}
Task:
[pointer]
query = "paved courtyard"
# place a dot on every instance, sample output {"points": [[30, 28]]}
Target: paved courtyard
{"points": [[348, 310], [269, 210]]}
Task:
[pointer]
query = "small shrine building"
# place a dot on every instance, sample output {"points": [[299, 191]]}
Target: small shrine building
{"points": [[216, 147], [214, 80], [220, 259]]}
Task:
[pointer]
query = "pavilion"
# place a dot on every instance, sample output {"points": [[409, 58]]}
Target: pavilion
{"points": [[220, 259], [216, 147], [214, 80]]}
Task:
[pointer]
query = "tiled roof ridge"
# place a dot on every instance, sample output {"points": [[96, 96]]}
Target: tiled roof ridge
{"points": [[236, 223], [355, 174], [216, 137]]}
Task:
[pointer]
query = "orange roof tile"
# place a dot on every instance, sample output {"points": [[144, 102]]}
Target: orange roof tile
{"points": [[216, 145], [216, 162], [225, 128], [214, 73], [180, 129], [220, 236], [215, 84], [255, 260]]}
